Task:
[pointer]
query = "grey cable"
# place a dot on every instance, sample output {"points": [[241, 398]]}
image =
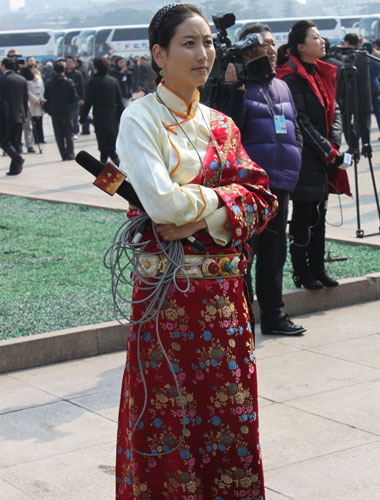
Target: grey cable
{"points": [[157, 286]]}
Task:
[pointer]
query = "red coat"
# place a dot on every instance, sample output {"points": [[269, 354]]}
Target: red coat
{"points": [[325, 91]]}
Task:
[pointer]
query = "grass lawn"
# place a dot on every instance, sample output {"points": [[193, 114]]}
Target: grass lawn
{"points": [[51, 265]]}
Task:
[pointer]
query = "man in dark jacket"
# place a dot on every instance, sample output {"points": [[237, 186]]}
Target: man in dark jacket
{"points": [[272, 139], [81, 65], [77, 77], [104, 96], [60, 95], [14, 94]]}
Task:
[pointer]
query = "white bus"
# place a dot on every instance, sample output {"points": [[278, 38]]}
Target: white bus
{"points": [[65, 47], [96, 43], [128, 40], [133, 40], [369, 27], [329, 27], [80, 42], [38, 43], [350, 23]]}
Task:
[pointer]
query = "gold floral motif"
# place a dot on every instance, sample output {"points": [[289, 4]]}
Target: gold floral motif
{"points": [[171, 314]]}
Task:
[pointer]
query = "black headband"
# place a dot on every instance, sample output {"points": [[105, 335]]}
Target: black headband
{"points": [[161, 14]]}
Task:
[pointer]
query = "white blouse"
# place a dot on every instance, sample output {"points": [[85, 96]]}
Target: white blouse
{"points": [[161, 143]]}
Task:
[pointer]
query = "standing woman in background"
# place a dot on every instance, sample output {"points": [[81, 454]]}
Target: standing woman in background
{"points": [[312, 84], [36, 91], [188, 424]]}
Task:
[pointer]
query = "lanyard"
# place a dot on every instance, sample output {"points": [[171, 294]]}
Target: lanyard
{"points": [[269, 101]]}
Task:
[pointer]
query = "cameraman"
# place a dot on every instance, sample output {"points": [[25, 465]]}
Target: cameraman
{"points": [[271, 137], [363, 90]]}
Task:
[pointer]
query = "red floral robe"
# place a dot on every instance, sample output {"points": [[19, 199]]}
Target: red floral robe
{"points": [[207, 335]]}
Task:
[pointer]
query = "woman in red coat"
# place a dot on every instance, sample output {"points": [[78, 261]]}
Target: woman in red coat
{"points": [[312, 84]]}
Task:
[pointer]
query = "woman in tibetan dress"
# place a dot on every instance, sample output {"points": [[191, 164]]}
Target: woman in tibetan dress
{"points": [[190, 430]]}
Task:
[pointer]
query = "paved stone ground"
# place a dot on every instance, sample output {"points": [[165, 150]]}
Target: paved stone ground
{"points": [[319, 394], [319, 406]]}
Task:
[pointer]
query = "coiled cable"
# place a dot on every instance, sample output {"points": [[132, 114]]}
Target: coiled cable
{"points": [[123, 259]]}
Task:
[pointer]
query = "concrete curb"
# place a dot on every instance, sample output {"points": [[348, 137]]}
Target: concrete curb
{"points": [[74, 343]]}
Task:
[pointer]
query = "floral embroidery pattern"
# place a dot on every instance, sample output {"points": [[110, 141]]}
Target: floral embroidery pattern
{"points": [[243, 185], [220, 457]]}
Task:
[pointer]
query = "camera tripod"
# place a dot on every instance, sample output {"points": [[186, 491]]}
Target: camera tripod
{"points": [[356, 124]]}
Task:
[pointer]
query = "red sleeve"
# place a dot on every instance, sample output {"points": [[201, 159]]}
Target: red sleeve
{"points": [[250, 205]]}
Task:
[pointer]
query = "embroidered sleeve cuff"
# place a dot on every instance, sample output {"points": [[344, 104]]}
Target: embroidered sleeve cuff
{"points": [[218, 226]]}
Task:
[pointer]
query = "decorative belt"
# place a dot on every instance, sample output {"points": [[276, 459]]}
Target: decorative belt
{"points": [[195, 266]]}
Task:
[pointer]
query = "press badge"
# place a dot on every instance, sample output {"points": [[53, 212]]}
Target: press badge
{"points": [[280, 124]]}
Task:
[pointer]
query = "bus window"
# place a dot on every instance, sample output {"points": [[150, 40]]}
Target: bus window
{"points": [[67, 45], [122, 34], [100, 42], [128, 41], [38, 43]]}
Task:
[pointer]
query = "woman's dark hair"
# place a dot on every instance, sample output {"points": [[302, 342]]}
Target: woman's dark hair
{"points": [[253, 28], [298, 35], [27, 73], [164, 24], [282, 54], [102, 64]]}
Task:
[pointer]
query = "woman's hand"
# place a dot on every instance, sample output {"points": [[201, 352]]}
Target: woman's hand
{"points": [[170, 232]]}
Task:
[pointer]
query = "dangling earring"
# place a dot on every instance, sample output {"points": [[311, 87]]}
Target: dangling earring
{"points": [[162, 74]]}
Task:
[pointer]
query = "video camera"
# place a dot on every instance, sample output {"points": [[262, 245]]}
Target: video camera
{"points": [[226, 52], [18, 60]]}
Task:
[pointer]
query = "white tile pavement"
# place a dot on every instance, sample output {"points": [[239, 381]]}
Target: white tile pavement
{"points": [[319, 406]]}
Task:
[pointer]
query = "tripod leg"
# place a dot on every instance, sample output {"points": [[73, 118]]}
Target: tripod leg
{"points": [[374, 187], [359, 231]]}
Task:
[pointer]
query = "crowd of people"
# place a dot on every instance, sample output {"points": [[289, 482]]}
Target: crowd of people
{"points": [[66, 90]]}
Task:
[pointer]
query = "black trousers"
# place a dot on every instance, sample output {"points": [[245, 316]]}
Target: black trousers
{"points": [[269, 249], [11, 145], [307, 233], [38, 131], [104, 155], [63, 131]]}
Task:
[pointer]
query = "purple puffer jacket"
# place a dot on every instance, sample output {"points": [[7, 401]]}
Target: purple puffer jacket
{"points": [[277, 154]]}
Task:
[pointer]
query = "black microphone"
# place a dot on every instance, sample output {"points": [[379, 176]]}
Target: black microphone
{"points": [[95, 167]]}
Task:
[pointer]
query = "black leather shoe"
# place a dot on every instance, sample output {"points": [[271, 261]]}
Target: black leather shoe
{"points": [[285, 327], [325, 279], [16, 169], [307, 280]]}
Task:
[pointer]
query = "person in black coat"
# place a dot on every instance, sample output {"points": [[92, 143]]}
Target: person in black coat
{"points": [[83, 67], [77, 77], [60, 95], [104, 96], [123, 76], [312, 84], [14, 94]]}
